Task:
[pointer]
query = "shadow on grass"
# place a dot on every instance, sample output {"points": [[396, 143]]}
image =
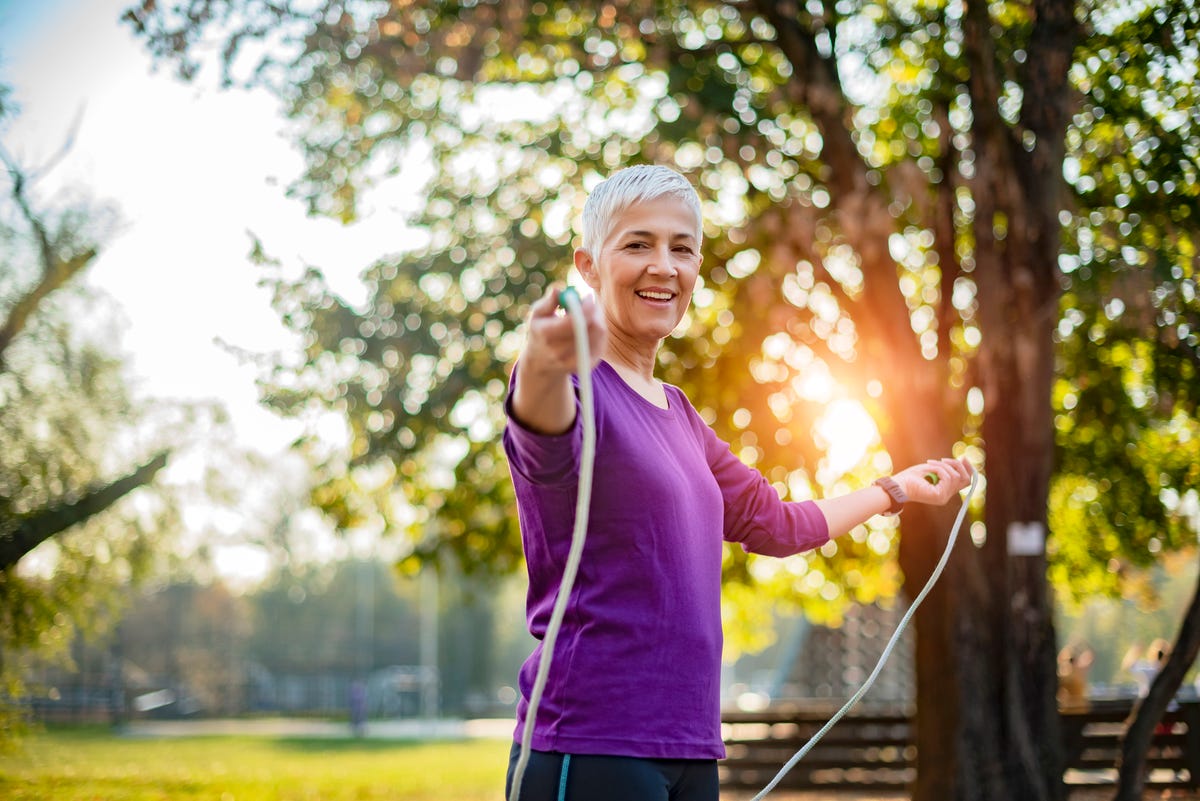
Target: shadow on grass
{"points": [[348, 745]]}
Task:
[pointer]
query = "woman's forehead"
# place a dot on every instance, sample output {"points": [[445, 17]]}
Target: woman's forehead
{"points": [[662, 216]]}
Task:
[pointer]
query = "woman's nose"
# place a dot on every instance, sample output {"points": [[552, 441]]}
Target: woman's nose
{"points": [[661, 262]]}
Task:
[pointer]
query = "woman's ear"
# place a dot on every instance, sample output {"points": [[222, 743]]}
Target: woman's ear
{"points": [[587, 268]]}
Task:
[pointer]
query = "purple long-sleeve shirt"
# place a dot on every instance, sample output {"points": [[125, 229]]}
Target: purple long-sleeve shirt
{"points": [[637, 662]]}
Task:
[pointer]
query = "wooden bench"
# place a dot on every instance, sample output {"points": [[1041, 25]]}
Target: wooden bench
{"points": [[875, 750], [864, 751], [1092, 742]]}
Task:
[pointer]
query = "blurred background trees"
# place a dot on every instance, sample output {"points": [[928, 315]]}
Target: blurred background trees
{"points": [[73, 532], [923, 212], [89, 510], [293, 644]]}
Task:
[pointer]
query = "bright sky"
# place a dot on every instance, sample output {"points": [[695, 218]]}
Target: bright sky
{"points": [[191, 170]]}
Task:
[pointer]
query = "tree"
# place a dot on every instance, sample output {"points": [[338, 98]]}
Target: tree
{"points": [[71, 450], [1125, 398], [59, 256], [348, 616], [886, 208], [191, 639]]}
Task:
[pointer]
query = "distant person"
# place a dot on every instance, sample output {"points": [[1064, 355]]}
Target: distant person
{"points": [[1145, 670], [1144, 666], [358, 708], [1073, 666]]}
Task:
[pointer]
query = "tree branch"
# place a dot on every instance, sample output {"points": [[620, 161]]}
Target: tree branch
{"points": [[941, 222], [54, 271], [44, 524], [1048, 104], [818, 88], [863, 216], [984, 89], [1050, 52]]}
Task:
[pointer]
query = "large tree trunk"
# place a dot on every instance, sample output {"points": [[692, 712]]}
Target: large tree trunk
{"points": [[987, 720], [1008, 738], [937, 668]]}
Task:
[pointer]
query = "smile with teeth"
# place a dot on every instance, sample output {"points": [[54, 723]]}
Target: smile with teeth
{"points": [[651, 294]]}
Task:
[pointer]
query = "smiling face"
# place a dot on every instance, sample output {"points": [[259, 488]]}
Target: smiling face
{"points": [[645, 270]]}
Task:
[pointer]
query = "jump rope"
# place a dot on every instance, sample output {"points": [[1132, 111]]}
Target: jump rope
{"points": [[569, 300]]}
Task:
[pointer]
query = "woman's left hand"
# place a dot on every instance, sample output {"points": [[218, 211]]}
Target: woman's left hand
{"points": [[953, 476]]}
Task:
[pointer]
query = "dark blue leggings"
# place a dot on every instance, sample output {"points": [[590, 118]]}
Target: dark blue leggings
{"points": [[551, 776]]}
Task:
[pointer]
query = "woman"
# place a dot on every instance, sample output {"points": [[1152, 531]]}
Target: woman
{"points": [[631, 708]]}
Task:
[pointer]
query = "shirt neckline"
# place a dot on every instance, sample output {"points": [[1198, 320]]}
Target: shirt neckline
{"points": [[638, 396]]}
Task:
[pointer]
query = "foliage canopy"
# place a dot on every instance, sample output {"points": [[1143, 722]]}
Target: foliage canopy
{"points": [[503, 114]]}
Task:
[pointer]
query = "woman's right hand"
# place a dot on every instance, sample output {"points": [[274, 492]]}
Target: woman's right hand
{"points": [[543, 399], [550, 342]]}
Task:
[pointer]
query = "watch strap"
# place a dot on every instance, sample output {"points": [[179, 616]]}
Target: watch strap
{"points": [[895, 492]]}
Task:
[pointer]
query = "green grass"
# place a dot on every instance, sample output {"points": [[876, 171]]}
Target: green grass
{"points": [[95, 765]]}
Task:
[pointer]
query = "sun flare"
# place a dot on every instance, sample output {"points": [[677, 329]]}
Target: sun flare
{"points": [[845, 430]]}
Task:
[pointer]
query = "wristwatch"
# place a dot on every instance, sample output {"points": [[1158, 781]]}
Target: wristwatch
{"points": [[895, 492]]}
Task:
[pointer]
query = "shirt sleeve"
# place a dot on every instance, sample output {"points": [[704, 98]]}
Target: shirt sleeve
{"points": [[547, 459], [755, 516]]}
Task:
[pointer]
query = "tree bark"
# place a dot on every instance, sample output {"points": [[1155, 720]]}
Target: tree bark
{"points": [[35, 529], [937, 667], [1010, 743]]}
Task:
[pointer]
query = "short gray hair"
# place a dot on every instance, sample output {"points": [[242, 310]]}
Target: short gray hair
{"points": [[626, 187]]}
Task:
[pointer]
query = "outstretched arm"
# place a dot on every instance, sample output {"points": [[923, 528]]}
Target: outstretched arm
{"points": [[845, 512]]}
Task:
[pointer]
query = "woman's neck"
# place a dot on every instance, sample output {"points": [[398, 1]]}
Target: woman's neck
{"points": [[636, 368], [630, 357]]}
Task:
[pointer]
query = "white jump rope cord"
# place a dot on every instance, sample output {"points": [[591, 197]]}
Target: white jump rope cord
{"points": [[570, 301], [887, 651], [587, 458]]}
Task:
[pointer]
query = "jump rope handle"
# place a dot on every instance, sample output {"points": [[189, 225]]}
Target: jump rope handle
{"points": [[567, 296]]}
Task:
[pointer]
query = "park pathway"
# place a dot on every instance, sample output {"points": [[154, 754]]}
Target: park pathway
{"points": [[401, 729]]}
